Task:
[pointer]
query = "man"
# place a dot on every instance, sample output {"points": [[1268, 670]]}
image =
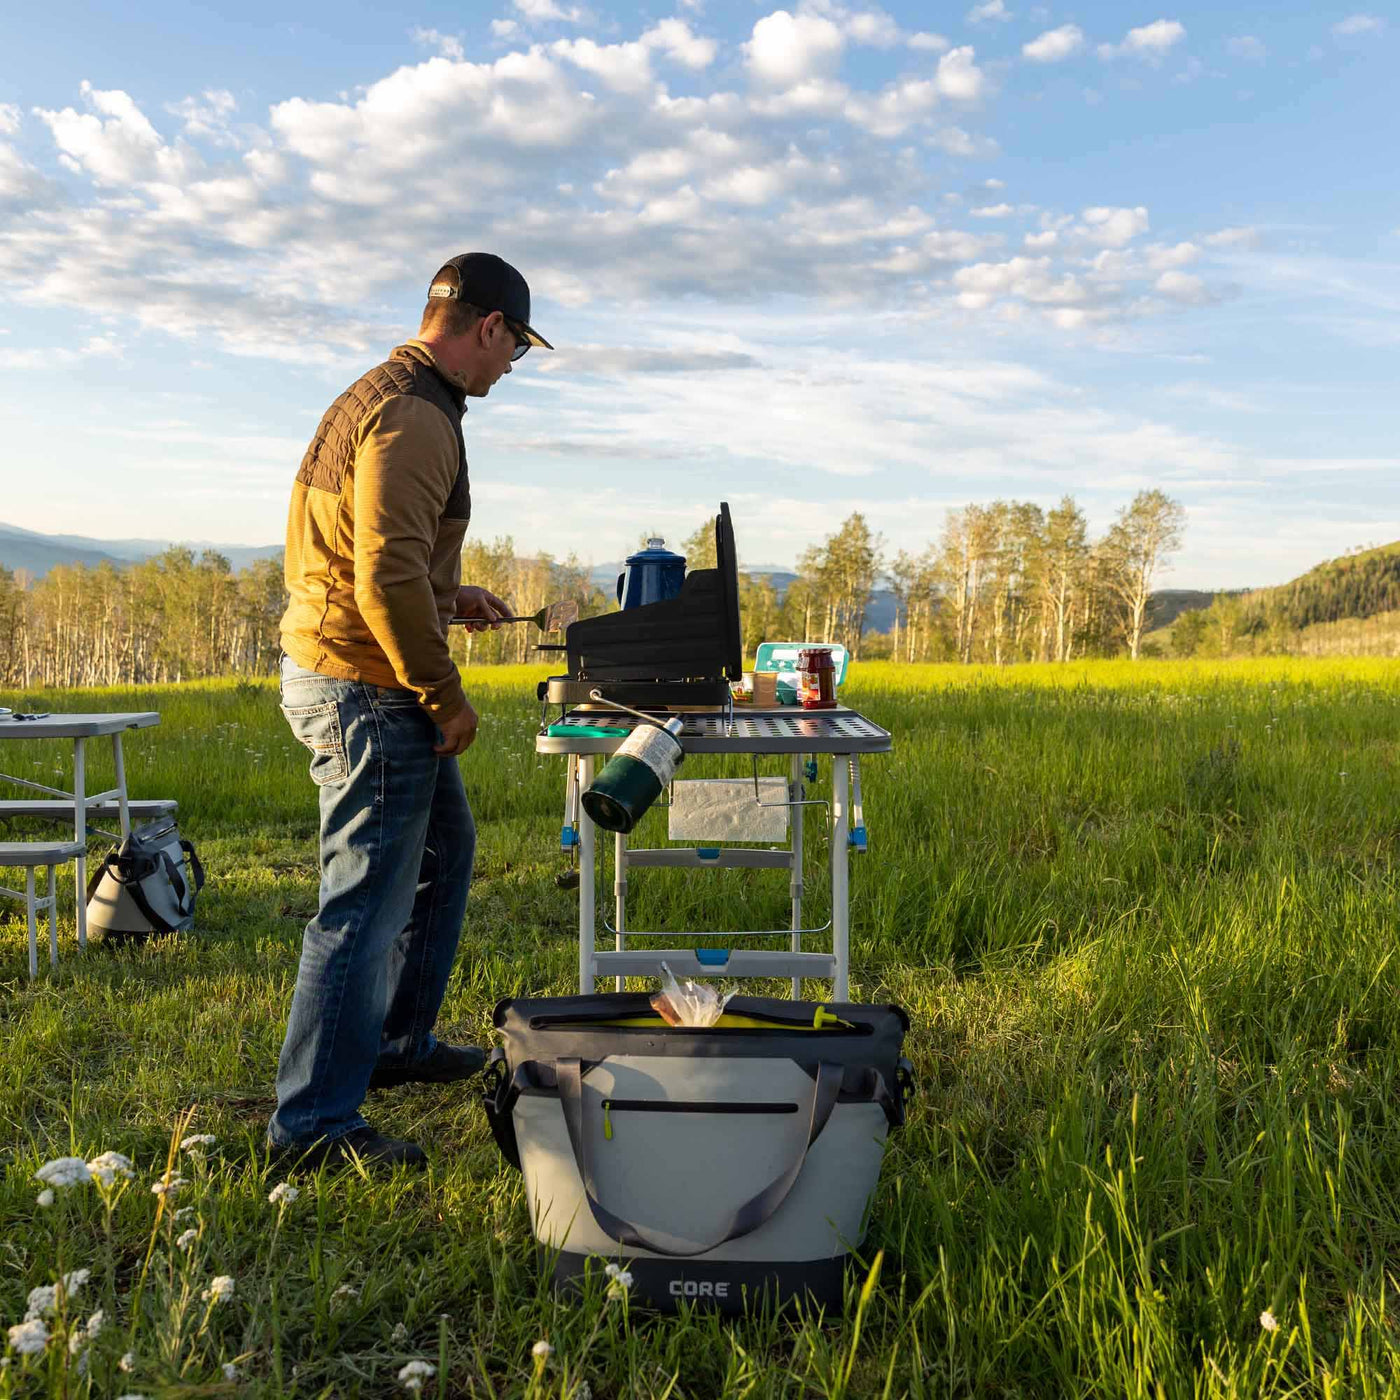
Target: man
{"points": [[373, 564]]}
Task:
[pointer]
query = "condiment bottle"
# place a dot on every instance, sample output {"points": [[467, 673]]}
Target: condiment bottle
{"points": [[816, 678]]}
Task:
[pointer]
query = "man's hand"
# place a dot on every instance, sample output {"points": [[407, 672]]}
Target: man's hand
{"points": [[482, 607], [457, 732]]}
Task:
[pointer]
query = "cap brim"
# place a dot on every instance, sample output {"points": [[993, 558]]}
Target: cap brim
{"points": [[533, 336]]}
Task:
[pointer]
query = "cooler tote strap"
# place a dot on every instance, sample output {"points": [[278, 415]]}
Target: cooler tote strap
{"points": [[756, 1211]]}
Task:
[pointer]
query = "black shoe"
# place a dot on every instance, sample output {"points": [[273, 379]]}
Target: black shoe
{"points": [[446, 1063], [364, 1145]]}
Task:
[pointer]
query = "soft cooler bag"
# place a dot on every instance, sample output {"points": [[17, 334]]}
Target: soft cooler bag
{"points": [[146, 886], [722, 1164]]}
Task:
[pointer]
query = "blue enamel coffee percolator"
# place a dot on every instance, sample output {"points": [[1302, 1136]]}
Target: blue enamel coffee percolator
{"points": [[652, 574]]}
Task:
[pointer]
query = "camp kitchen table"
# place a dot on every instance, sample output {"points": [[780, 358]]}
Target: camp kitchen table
{"points": [[798, 734], [78, 728]]}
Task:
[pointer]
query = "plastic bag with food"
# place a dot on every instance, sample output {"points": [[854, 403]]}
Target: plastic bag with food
{"points": [[688, 1003]]}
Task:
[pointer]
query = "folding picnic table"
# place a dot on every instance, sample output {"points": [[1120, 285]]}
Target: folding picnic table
{"points": [[799, 735], [78, 728]]}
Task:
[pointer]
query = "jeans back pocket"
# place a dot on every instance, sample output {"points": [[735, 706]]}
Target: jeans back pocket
{"points": [[318, 727]]}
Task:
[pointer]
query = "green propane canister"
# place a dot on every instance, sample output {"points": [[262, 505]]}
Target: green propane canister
{"points": [[644, 763]]}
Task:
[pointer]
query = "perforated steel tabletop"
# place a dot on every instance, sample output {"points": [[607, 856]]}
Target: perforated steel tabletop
{"points": [[787, 730]]}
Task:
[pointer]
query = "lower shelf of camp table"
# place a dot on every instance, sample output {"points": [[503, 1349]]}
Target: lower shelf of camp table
{"points": [[706, 962]]}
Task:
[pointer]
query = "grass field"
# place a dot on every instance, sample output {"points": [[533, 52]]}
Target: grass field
{"points": [[1143, 917]]}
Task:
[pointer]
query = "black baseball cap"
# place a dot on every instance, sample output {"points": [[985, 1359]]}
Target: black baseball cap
{"points": [[491, 283]]}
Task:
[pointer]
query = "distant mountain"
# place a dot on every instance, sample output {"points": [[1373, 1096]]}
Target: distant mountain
{"points": [[1167, 604], [38, 553]]}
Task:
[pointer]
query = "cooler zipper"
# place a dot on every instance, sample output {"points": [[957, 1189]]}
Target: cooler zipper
{"points": [[670, 1106]]}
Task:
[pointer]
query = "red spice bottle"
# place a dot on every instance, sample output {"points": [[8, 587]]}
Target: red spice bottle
{"points": [[816, 679]]}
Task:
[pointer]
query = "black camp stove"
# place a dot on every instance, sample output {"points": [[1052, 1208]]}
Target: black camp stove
{"points": [[678, 654]]}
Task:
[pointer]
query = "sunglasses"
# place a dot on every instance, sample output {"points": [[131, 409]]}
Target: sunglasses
{"points": [[522, 343]]}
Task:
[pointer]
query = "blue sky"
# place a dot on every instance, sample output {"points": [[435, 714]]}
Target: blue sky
{"points": [[809, 260]]}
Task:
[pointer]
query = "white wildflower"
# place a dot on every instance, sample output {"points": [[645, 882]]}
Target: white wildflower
{"points": [[542, 1350], [584, 1391], [613, 1270], [42, 1301], [128, 1363], [64, 1172], [415, 1373], [346, 1293], [45, 1198], [197, 1142], [1268, 1321], [134, 1396], [95, 1324], [76, 1342], [399, 1335], [185, 1240], [108, 1166], [283, 1191], [231, 1372], [74, 1281], [183, 1213], [168, 1185], [30, 1337], [220, 1290]]}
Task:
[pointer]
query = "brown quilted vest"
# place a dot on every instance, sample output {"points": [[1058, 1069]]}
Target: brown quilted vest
{"points": [[406, 371]]}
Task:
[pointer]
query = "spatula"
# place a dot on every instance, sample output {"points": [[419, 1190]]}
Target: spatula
{"points": [[553, 617]]}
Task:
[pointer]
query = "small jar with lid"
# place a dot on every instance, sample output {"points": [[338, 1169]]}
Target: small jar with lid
{"points": [[816, 679]]}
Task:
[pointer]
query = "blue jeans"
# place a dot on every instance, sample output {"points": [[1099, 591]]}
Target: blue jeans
{"points": [[397, 840]]}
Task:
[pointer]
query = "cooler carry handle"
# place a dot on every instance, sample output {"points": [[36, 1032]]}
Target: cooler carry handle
{"points": [[756, 1211]]}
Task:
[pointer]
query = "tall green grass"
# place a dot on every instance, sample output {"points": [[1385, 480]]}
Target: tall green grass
{"points": [[1143, 917]]}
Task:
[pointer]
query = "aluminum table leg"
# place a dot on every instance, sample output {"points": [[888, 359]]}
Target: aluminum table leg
{"points": [[840, 877]]}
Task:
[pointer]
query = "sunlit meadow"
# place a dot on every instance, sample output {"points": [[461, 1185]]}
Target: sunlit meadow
{"points": [[1144, 920]]}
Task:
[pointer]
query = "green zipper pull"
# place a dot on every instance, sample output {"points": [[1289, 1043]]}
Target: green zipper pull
{"points": [[821, 1018], [607, 1119]]}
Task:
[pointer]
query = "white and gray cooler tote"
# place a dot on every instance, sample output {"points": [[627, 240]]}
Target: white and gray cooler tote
{"points": [[145, 886], [722, 1165]]}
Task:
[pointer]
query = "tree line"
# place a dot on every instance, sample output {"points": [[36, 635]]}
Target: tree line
{"points": [[172, 617], [1005, 582]]}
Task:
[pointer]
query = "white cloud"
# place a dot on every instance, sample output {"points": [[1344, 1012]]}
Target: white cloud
{"points": [[9, 119], [787, 49], [1358, 24], [123, 148], [46, 356], [988, 10], [1113, 228], [1023, 279], [207, 117], [448, 45], [895, 109], [1162, 257], [1055, 44], [541, 11], [992, 211], [1150, 41], [1247, 46], [505, 28], [1039, 242], [927, 42], [679, 43], [1233, 238], [873, 28], [623, 67], [1184, 287], [959, 77]]}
